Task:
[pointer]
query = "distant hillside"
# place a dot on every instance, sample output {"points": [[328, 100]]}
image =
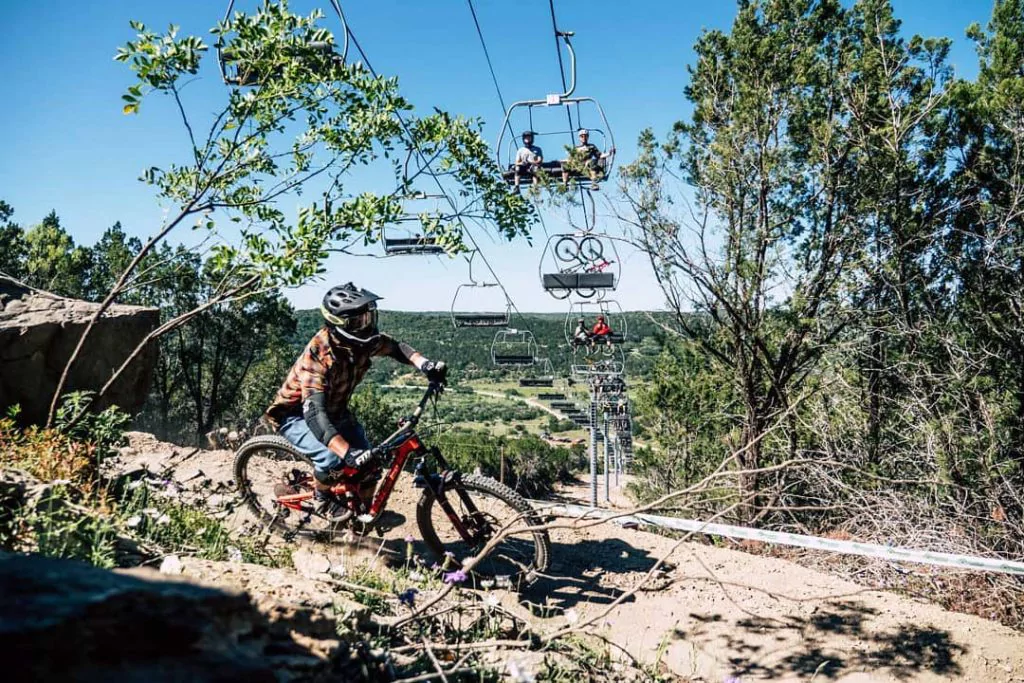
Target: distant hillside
{"points": [[468, 350]]}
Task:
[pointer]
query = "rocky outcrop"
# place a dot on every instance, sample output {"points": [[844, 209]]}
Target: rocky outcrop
{"points": [[65, 620], [39, 331]]}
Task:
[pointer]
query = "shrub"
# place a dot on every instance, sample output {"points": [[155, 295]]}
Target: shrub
{"points": [[104, 430], [48, 455]]}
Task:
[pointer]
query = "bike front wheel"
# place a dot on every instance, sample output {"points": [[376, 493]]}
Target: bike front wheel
{"points": [[485, 509], [567, 250]]}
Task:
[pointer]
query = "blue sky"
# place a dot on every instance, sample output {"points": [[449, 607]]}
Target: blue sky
{"points": [[68, 147]]}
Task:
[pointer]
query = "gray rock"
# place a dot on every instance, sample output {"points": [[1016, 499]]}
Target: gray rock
{"points": [[68, 621], [38, 332], [310, 564]]}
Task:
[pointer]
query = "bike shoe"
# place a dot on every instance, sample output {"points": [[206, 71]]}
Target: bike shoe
{"points": [[331, 507]]}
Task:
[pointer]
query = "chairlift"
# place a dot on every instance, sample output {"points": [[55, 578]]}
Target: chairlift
{"points": [[593, 371], [570, 170], [545, 379], [409, 236], [611, 385], [317, 48], [485, 316], [514, 348], [551, 396], [589, 311], [584, 264]]}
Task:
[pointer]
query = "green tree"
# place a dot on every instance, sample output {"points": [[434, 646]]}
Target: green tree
{"points": [[895, 99], [985, 245], [760, 252], [52, 261], [217, 349], [13, 248], [110, 256]]}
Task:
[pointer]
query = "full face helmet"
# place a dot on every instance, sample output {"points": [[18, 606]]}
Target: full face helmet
{"points": [[351, 314]]}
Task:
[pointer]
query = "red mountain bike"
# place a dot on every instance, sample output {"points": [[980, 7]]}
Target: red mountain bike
{"points": [[457, 514]]}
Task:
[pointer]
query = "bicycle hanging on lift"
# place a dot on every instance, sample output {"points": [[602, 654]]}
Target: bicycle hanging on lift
{"points": [[580, 264]]}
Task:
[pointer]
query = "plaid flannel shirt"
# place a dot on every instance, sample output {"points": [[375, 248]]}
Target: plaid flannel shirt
{"points": [[334, 370]]}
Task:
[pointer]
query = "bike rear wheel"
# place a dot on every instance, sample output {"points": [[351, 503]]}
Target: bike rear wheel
{"points": [[264, 463], [485, 507], [591, 250]]}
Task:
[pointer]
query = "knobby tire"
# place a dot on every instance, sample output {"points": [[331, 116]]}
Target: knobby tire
{"points": [[479, 487]]}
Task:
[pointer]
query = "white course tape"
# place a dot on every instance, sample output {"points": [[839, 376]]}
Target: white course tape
{"points": [[885, 552]]}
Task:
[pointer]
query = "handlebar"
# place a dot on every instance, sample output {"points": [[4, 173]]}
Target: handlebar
{"points": [[410, 422]]}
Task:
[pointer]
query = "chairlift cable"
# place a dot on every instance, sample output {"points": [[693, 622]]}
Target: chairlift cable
{"points": [[490, 65], [430, 171]]}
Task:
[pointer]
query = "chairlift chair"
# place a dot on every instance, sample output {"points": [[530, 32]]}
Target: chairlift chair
{"points": [[487, 316], [409, 236], [506, 148], [613, 314], [545, 379], [551, 396], [591, 371], [585, 264], [318, 47], [514, 348]]}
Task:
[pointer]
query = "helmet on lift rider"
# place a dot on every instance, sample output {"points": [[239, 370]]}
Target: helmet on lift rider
{"points": [[528, 134], [351, 315]]}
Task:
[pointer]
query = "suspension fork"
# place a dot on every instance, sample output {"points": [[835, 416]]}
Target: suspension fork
{"points": [[439, 484]]}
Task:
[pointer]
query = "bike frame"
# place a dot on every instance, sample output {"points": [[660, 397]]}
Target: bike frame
{"points": [[402, 445]]}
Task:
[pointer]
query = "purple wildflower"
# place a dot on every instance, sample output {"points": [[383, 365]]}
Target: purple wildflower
{"points": [[457, 576], [409, 538]]}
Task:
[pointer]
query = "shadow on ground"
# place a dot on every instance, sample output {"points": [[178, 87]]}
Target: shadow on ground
{"points": [[757, 643], [589, 571]]}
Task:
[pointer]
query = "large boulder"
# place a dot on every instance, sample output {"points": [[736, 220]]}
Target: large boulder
{"points": [[39, 331], [62, 620]]}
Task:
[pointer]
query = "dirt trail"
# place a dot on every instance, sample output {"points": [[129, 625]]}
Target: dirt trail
{"points": [[715, 613]]}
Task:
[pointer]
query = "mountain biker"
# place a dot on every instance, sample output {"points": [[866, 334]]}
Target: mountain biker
{"points": [[586, 157], [529, 157], [311, 407]]}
